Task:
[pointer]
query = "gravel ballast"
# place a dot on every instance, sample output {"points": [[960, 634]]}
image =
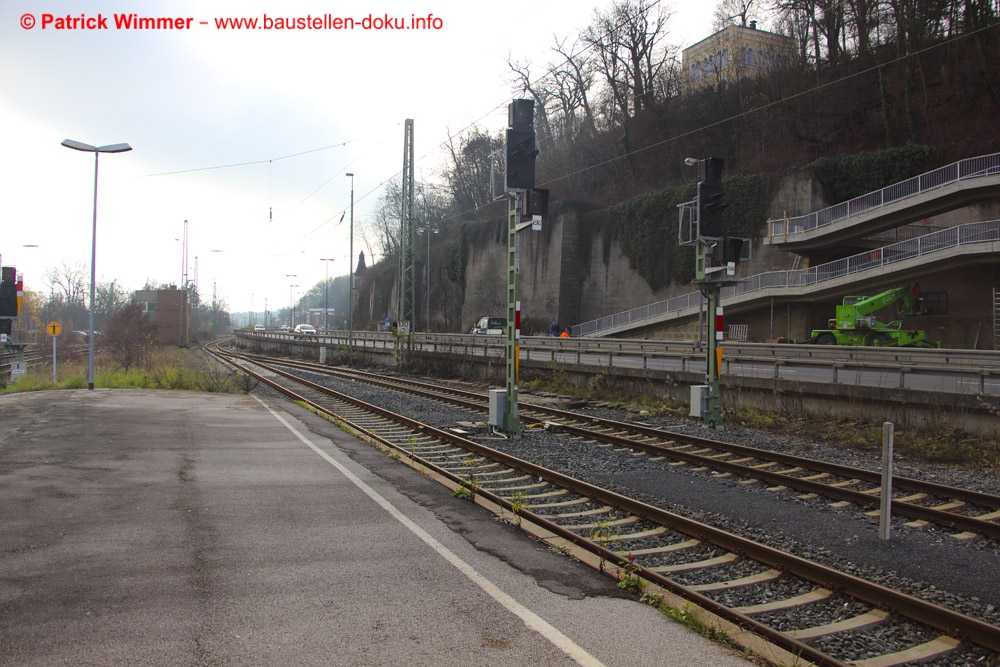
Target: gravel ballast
{"points": [[929, 563]]}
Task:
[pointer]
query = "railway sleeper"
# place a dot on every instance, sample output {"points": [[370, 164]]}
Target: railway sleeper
{"points": [[667, 548], [614, 522], [525, 487], [696, 565], [814, 595], [643, 534], [497, 479], [604, 509], [760, 577], [433, 450], [846, 482], [925, 652], [553, 494], [864, 621]]}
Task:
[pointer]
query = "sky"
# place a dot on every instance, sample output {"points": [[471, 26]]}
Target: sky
{"points": [[247, 135]]}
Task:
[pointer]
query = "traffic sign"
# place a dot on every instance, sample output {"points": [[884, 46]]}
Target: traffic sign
{"points": [[53, 328]]}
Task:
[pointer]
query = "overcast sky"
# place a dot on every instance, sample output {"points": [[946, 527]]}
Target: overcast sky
{"points": [[246, 134]]}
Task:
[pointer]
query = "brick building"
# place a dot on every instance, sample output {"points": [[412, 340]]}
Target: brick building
{"points": [[170, 311]]}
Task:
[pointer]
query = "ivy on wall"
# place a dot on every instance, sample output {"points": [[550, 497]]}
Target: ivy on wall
{"points": [[847, 176], [646, 227]]}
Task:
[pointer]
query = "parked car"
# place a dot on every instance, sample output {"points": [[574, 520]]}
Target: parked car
{"points": [[258, 327], [305, 329], [490, 326]]}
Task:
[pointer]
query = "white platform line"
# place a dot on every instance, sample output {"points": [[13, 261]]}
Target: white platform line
{"points": [[530, 618]]}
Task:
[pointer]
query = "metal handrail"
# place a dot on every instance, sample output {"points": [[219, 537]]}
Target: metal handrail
{"points": [[952, 237], [977, 167]]}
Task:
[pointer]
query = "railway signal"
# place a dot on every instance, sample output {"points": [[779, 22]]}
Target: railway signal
{"points": [[521, 151], [715, 264], [522, 195], [8, 292], [710, 194]]}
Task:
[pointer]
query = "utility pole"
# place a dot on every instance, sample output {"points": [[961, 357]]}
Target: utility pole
{"points": [[350, 283], [407, 275]]}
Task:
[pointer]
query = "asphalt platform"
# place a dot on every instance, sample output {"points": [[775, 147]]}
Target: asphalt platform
{"points": [[180, 528]]}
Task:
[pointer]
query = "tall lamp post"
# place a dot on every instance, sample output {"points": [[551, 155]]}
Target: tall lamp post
{"points": [[350, 284], [291, 315], [427, 305], [326, 289], [96, 150]]}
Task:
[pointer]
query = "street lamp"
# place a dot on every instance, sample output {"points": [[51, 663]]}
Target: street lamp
{"points": [[326, 288], [291, 314], [96, 150], [350, 283], [433, 230]]}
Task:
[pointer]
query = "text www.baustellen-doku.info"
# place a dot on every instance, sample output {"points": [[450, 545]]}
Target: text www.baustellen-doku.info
{"points": [[383, 22]]}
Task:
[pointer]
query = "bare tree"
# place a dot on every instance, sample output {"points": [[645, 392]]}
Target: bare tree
{"points": [[574, 80], [68, 289], [69, 283], [381, 230], [130, 338], [540, 92], [733, 12], [864, 17], [626, 43], [109, 298], [469, 173]]}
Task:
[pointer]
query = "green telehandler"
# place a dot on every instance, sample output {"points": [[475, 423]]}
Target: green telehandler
{"points": [[855, 323]]}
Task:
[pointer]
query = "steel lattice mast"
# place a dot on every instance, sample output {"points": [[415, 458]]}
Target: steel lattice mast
{"points": [[407, 272]]}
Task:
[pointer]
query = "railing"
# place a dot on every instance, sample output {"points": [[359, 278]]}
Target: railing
{"points": [[952, 237], [977, 167]]}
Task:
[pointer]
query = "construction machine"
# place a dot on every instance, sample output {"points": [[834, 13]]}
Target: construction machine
{"points": [[855, 323]]}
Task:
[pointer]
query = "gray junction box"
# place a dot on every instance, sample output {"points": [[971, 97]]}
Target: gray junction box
{"points": [[699, 399], [498, 405]]}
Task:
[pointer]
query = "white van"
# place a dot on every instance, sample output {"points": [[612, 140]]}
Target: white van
{"points": [[490, 326]]}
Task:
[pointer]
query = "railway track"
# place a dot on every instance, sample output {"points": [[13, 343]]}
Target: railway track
{"points": [[755, 587], [967, 514]]}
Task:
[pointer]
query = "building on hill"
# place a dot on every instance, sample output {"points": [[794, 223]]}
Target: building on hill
{"points": [[735, 52]]}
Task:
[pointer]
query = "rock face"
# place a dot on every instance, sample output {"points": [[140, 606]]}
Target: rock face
{"points": [[570, 276]]}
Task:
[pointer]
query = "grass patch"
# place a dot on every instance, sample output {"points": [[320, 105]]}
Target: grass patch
{"points": [[188, 369]]}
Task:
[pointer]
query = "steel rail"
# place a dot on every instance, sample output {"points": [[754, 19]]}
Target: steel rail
{"points": [[899, 507], [951, 520]]}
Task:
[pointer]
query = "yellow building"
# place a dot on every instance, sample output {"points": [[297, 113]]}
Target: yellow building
{"points": [[735, 52]]}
